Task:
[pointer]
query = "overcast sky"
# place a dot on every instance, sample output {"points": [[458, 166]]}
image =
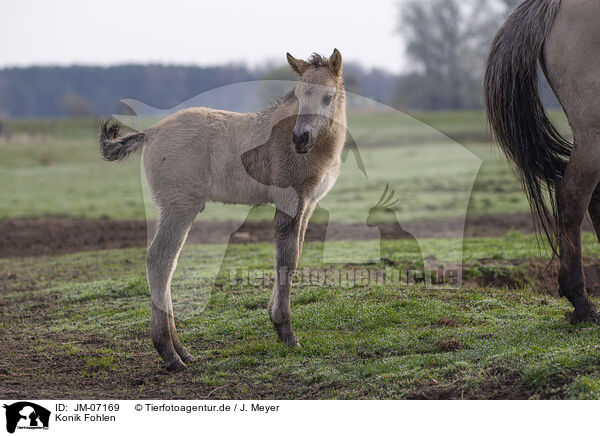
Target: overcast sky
{"points": [[256, 32]]}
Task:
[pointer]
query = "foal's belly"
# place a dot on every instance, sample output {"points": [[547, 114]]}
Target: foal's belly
{"points": [[246, 191]]}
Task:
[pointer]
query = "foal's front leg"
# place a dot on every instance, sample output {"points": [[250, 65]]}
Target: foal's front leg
{"points": [[310, 208], [287, 230]]}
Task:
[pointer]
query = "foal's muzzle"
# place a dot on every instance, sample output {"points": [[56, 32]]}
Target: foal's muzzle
{"points": [[303, 140]]}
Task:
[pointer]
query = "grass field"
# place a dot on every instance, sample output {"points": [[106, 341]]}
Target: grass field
{"points": [[77, 325], [53, 168]]}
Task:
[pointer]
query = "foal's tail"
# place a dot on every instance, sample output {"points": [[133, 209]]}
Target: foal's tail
{"points": [[515, 111], [114, 145]]}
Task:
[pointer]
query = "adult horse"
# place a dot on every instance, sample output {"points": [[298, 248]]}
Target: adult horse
{"points": [[565, 37], [287, 155]]}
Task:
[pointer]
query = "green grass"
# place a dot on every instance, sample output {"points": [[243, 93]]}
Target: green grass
{"points": [[77, 325], [87, 314], [53, 168]]}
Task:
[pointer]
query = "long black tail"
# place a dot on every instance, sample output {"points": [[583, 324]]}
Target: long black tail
{"points": [[116, 146], [515, 111]]}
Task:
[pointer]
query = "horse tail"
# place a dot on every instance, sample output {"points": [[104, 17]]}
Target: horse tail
{"points": [[116, 146], [518, 120]]}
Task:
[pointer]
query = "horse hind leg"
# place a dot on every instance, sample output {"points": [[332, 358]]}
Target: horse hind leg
{"points": [[574, 197], [594, 211], [173, 227]]}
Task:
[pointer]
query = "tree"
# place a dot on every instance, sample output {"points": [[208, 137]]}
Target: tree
{"points": [[448, 41]]}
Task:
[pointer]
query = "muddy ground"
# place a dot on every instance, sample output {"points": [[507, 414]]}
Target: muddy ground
{"points": [[56, 235], [65, 377], [46, 236]]}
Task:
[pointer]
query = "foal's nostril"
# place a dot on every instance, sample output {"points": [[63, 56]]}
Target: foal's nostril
{"points": [[301, 139], [305, 138]]}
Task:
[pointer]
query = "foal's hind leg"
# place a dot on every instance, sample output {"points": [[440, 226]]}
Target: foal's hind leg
{"points": [[573, 198], [161, 260]]}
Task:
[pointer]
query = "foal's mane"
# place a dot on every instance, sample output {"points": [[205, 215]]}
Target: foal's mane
{"points": [[276, 102], [316, 60]]}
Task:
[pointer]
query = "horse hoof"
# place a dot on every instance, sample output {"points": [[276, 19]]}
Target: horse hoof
{"points": [[592, 317], [176, 366]]}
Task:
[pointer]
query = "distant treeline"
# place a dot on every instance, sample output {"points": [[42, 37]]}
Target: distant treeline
{"points": [[84, 91], [95, 91], [88, 90]]}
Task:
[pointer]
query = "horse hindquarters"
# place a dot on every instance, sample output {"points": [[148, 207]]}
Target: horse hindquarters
{"points": [[572, 63], [562, 33]]}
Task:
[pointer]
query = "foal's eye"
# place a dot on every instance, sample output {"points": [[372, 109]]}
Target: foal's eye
{"points": [[327, 100]]}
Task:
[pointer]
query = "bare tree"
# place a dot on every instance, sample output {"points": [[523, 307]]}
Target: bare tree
{"points": [[447, 41]]}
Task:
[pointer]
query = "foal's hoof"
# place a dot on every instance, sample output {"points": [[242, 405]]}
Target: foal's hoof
{"points": [[176, 366], [290, 340], [185, 356], [592, 316], [286, 335]]}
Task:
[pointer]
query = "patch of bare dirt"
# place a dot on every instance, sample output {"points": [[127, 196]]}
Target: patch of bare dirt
{"points": [[61, 366], [57, 235], [450, 344], [538, 274], [498, 384], [448, 322], [48, 236], [44, 236]]}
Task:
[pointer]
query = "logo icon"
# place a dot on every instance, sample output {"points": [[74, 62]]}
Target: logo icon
{"points": [[26, 415]]}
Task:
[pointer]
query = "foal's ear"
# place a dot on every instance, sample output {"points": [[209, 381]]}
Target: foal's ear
{"points": [[298, 65], [335, 62]]}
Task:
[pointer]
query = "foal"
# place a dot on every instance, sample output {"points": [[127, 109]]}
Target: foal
{"points": [[287, 155]]}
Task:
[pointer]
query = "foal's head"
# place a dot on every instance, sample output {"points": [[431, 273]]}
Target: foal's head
{"points": [[320, 94]]}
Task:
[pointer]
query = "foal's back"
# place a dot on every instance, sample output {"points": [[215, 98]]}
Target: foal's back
{"points": [[195, 155]]}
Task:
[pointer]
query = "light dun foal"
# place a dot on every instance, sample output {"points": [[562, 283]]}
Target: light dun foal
{"points": [[287, 155]]}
